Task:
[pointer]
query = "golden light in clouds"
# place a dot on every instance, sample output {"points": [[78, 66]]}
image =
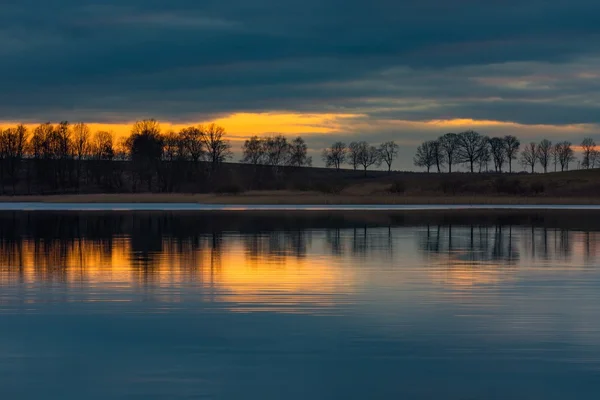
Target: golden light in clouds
{"points": [[243, 125], [240, 126]]}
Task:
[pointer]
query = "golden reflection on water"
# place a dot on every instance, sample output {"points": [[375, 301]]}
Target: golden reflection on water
{"points": [[231, 270], [289, 271]]}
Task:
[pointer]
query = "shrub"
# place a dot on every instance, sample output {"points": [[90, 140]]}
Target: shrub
{"points": [[506, 186], [537, 187], [398, 187], [453, 186], [301, 186], [329, 187], [230, 188]]}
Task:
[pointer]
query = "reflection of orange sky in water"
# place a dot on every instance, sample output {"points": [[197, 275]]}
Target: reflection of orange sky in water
{"points": [[463, 275], [230, 274]]}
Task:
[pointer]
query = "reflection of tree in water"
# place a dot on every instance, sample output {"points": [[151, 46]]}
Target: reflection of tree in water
{"points": [[557, 244], [53, 243], [334, 241], [471, 243], [278, 245]]}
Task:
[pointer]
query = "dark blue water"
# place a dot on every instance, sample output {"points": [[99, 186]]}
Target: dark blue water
{"points": [[297, 306]]}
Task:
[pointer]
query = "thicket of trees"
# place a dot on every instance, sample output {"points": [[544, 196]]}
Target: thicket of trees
{"points": [[479, 153], [276, 151], [62, 157], [360, 155]]}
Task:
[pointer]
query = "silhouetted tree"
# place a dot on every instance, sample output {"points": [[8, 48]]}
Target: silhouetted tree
{"points": [[450, 146], [470, 148], [335, 156], [529, 156], [368, 156], [389, 152], [512, 149], [191, 139], [588, 145], [485, 155], [276, 150], [146, 149], [594, 158], [81, 146], [544, 151], [253, 151], [218, 149], [555, 155], [298, 153], [101, 146], [425, 156], [438, 154], [13, 142], [498, 151], [353, 154]]}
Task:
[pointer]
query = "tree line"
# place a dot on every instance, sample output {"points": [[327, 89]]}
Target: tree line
{"points": [[477, 152], [360, 155], [62, 157]]}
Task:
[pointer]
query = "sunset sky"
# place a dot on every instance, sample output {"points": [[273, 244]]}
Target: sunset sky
{"points": [[324, 69]]}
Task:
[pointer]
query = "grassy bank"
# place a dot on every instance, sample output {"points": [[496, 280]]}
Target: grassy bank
{"points": [[294, 197]]}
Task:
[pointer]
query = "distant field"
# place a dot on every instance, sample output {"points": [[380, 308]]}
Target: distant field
{"points": [[244, 184]]}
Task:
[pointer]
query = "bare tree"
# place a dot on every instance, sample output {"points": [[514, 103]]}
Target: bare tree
{"points": [[253, 151], [594, 158], [81, 140], [354, 150], [368, 156], [566, 155], [425, 156], [438, 155], [146, 146], [470, 148], [277, 150], [218, 149], [335, 155], [81, 145], [588, 145], [512, 149], [298, 153], [529, 156], [174, 147], [544, 151], [193, 143], [485, 155], [12, 149], [102, 146], [389, 152], [555, 154], [449, 147], [498, 150]]}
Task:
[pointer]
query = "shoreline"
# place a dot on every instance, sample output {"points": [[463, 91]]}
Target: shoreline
{"points": [[280, 199]]}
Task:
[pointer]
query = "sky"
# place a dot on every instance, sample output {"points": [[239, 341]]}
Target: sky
{"points": [[327, 70]]}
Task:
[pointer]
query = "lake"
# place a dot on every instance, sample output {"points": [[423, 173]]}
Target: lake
{"points": [[430, 304]]}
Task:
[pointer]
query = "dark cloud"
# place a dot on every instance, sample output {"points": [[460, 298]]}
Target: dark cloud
{"points": [[511, 60]]}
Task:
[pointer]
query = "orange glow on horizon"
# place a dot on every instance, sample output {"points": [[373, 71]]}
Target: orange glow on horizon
{"points": [[240, 126]]}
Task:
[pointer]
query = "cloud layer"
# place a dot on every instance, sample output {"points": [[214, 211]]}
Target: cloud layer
{"points": [[395, 63]]}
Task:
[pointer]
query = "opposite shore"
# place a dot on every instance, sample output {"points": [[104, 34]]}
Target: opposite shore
{"points": [[284, 197]]}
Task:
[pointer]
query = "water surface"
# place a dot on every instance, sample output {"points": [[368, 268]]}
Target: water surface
{"points": [[419, 305]]}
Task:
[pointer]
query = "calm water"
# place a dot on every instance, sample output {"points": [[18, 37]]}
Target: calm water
{"points": [[420, 305]]}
